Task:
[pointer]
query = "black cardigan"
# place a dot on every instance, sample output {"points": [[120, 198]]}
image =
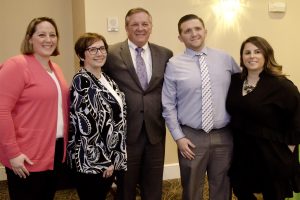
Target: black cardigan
{"points": [[271, 111], [264, 122]]}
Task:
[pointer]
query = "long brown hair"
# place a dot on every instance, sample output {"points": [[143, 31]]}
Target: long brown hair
{"points": [[270, 67]]}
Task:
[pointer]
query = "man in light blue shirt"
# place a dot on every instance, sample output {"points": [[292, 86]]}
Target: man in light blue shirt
{"points": [[199, 152]]}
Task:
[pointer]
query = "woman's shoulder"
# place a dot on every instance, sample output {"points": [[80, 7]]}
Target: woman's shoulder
{"points": [[280, 82], [19, 60], [19, 63], [80, 74], [236, 77], [82, 78], [287, 84], [282, 85]]}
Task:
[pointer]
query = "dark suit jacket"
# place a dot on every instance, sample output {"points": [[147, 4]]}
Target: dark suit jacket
{"points": [[142, 106]]}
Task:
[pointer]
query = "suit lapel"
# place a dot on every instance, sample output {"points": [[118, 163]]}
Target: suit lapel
{"points": [[155, 64]]}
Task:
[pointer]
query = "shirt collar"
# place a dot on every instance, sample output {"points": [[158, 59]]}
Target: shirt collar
{"points": [[193, 53], [133, 46]]}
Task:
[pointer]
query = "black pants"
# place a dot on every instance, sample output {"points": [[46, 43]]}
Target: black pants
{"points": [[38, 185], [92, 186], [271, 190]]}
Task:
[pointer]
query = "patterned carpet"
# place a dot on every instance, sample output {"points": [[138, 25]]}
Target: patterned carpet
{"points": [[171, 191]]}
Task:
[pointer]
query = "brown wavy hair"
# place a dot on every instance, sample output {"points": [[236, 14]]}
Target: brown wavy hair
{"points": [[270, 67]]}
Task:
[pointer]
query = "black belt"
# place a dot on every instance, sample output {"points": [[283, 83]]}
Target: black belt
{"points": [[214, 129]]}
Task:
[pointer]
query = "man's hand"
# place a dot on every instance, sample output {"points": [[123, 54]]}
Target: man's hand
{"points": [[185, 147]]}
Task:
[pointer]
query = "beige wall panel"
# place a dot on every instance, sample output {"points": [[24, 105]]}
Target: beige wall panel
{"points": [[15, 15], [78, 13]]}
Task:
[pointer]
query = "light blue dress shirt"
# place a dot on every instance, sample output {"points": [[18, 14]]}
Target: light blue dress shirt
{"points": [[181, 94]]}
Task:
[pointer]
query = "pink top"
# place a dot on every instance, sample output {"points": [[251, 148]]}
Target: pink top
{"points": [[28, 111]]}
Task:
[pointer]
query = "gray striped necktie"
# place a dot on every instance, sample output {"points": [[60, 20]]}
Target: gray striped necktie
{"points": [[207, 108], [141, 70]]}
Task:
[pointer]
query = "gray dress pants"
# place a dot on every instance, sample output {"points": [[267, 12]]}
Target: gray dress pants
{"points": [[213, 156]]}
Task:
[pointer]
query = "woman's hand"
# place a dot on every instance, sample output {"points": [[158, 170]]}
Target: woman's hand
{"points": [[18, 166], [108, 172]]}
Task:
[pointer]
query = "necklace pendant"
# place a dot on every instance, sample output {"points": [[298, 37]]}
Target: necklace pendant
{"points": [[248, 88]]}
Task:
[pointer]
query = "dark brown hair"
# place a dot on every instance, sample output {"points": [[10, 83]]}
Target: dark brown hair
{"points": [[86, 40], [26, 46], [187, 18]]}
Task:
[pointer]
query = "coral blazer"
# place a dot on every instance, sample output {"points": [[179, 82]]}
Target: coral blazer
{"points": [[28, 111]]}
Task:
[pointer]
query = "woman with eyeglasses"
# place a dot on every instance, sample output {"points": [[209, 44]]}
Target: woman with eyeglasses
{"points": [[96, 146]]}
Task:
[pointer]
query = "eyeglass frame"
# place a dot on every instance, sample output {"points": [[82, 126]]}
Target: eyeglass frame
{"points": [[102, 49]]}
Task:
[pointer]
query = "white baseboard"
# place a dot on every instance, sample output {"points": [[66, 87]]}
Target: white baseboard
{"points": [[171, 171], [2, 173]]}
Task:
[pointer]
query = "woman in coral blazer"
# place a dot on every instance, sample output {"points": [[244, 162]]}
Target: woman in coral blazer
{"points": [[33, 114]]}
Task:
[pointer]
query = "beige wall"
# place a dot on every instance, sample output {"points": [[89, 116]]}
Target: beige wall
{"points": [[78, 13], [281, 30], [90, 15], [15, 15]]}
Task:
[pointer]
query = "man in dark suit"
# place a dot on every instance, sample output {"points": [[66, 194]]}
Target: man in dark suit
{"points": [[146, 126]]}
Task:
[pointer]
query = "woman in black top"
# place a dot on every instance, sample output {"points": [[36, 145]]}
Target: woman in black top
{"points": [[265, 117]]}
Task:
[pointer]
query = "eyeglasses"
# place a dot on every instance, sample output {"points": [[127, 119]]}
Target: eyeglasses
{"points": [[94, 50]]}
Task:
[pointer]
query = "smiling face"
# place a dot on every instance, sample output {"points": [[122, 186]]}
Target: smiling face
{"points": [[96, 60], [193, 34], [253, 58], [139, 28], [44, 40]]}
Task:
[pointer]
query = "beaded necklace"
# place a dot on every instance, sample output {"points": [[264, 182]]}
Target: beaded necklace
{"points": [[247, 88]]}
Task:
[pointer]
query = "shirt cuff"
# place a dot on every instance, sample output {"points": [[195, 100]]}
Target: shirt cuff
{"points": [[177, 134]]}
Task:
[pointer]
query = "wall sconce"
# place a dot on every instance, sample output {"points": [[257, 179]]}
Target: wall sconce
{"points": [[229, 9], [226, 12]]}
